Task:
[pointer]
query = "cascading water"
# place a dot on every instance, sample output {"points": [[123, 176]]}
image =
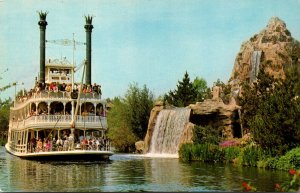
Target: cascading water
{"points": [[168, 130], [255, 61]]}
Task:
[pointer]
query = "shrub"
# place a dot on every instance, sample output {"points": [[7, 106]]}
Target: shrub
{"points": [[251, 155], [230, 153], [271, 162], [206, 134], [185, 152], [207, 152], [290, 160]]}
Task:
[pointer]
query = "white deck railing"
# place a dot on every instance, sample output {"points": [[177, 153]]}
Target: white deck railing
{"points": [[61, 120], [56, 95]]}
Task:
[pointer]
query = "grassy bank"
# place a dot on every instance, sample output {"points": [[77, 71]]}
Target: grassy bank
{"points": [[250, 155]]}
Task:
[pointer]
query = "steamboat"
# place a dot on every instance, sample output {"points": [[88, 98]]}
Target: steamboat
{"points": [[59, 119]]}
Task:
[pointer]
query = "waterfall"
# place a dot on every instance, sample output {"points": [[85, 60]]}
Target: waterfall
{"points": [[168, 130], [255, 62]]}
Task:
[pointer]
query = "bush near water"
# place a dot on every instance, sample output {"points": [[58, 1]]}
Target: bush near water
{"points": [[250, 155]]}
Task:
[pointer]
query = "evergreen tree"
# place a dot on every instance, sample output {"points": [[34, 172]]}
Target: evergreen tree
{"points": [[271, 109], [184, 95]]}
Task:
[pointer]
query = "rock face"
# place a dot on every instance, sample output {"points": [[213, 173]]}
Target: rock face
{"points": [[215, 113], [152, 120], [187, 135], [273, 49]]}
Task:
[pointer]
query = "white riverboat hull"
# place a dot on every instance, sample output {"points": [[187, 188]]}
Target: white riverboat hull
{"points": [[88, 155]]}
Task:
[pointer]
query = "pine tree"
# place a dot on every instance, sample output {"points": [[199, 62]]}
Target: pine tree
{"points": [[184, 95], [271, 110]]}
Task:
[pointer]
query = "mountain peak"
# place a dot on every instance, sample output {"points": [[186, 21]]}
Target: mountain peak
{"points": [[271, 50], [275, 22]]}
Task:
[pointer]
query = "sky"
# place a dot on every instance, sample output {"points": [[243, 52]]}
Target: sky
{"points": [[148, 42]]}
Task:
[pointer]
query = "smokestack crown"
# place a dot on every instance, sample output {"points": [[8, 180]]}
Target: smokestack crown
{"points": [[43, 15], [88, 26]]}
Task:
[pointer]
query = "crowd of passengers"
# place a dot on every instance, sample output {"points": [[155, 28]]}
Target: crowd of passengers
{"points": [[68, 143], [56, 87]]}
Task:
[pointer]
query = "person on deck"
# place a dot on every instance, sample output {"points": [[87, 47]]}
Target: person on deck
{"points": [[71, 142], [59, 144], [66, 144], [39, 145]]}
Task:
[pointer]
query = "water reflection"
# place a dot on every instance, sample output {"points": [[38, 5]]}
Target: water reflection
{"points": [[129, 173], [26, 175]]}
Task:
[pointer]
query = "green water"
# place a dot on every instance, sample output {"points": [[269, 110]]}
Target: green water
{"points": [[126, 172]]}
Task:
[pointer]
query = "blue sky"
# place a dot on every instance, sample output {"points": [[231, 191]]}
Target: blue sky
{"points": [[150, 42]]}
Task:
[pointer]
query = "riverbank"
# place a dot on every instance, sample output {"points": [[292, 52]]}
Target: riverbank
{"points": [[249, 155]]}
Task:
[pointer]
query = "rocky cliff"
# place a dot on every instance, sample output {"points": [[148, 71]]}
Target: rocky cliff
{"points": [[273, 49], [215, 113], [209, 112], [151, 123]]}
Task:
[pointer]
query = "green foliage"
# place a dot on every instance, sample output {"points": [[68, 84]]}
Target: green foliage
{"points": [[200, 86], [271, 110], [295, 52], [290, 160], [185, 152], [140, 103], [120, 132], [251, 155], [4, 114], [202, 152], [184, 95], [128, 117], [207, 152], [230, 153], [206, 134]]}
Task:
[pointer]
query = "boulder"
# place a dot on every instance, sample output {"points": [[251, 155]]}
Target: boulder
{"points": [[139, 146]]}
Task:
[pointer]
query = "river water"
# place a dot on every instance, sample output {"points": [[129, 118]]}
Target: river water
{"points": [[129, 172]]}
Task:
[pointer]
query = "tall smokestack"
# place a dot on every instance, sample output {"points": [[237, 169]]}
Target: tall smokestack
{"points": [[42, 23], [88, 29]]}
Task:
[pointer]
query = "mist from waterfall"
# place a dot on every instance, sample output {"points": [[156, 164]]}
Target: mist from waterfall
{"points": [[168, 131], [255, 62]]}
